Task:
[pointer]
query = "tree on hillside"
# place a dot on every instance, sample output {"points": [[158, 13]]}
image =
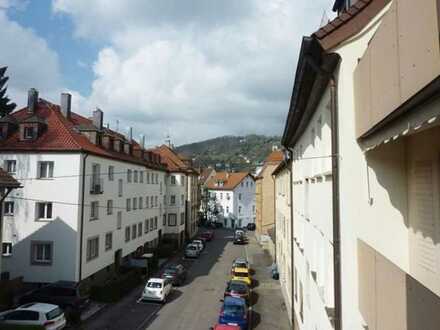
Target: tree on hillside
{"points": [[5, 106]]}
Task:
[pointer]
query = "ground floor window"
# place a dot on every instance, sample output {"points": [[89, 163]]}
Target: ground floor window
{"points": [[6, 249], [41, 253], [172, 219], [92, 248]]}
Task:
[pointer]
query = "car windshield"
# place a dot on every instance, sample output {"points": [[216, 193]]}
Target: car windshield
{"points": [[192, 247], [241, 265], [238, 287], [53, 314], [240, 274], [154, 285], [170, 271], [233, 310]]}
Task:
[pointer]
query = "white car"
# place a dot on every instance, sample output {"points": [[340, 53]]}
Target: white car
{"points": [[199, 243], [51, 317], [157, 289]]}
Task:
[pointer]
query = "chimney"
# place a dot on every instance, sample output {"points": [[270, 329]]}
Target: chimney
{"points": [[143, 146], [130, 134], [98, 118], [32, 100], [66, 103]]}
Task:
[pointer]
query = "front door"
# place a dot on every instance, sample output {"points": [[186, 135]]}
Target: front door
{"points": [[118, 257]]}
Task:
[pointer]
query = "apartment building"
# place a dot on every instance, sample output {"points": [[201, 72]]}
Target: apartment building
{"points": [[265, 200], [362, 132], [283, 230], [234, 195], [91, 197], [182, 196]]}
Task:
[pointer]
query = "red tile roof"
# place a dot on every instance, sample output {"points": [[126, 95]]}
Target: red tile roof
{"points": [[173, 161], [275, 157], [349, 23], [230, 180], [61, 134], [6, 180]]}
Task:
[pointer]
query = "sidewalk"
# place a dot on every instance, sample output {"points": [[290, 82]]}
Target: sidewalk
{"points": [[269, 309]]}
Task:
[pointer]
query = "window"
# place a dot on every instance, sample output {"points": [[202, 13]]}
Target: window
{"points": [[41, 253], [172, 219], [173, 200], [94, 210], [135, 176], [141, 176], [221, 195], [239, 197], [155, 222], [108, 241], [148, 177], [29, 133], [164, 222], [182, 200], [151, 224], [44, 211], [151, 201], [141, 202], [120, 184], [239, 210], [92, 248], [228, 197], [173, 179], [242, 184], [128, 204], [127, 233], [157, 178], [11, 166], [128, 176], [247, 184], [182, 218], [6, 249], [133, 232], [111, 173], [164, 200], [253, 208], [139, 229], [183, 180], [119, 220], [147, 202], [227, 209], [155, 201], [146, 226], [45, 170], [9, 208], [135, 202], [109, 207]]}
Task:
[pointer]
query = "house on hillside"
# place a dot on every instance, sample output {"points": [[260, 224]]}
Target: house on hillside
{"points": [[234, 194], [91, 196]]}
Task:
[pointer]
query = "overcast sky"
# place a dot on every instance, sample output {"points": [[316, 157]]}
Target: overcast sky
{"points": [[193, 69]]}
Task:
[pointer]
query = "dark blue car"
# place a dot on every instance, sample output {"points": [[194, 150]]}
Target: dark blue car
{"points": [[234, 312]]}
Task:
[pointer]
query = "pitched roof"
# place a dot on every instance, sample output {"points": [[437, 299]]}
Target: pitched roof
{"points": [[6, 180], [173, 161], [62, 135], [205, 174], [281, 166], [349, 22], [275, 157], [230, 180]]}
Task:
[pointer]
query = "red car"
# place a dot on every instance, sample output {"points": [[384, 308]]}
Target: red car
{"points": [[208, 235], [225, 327]]}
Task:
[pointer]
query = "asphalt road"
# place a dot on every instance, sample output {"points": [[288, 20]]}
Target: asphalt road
{"points": [[194, 306]]}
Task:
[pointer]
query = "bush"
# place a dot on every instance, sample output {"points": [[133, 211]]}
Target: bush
{"points": [[115, 289]]}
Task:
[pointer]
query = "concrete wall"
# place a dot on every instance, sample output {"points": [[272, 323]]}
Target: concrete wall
{"points": [[266, 207]]}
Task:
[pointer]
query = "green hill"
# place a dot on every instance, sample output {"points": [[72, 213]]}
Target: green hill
{"points": [[230, 152]]}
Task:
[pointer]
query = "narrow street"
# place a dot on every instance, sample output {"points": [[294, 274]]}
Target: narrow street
{"points": [[196, 304]]}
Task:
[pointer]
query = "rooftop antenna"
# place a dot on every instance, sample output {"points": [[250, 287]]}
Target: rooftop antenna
{"points": [[117, 125], [324, 19], [168, 140]]}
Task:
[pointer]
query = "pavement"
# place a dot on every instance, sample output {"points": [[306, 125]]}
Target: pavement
{"points": [[195, 305]]}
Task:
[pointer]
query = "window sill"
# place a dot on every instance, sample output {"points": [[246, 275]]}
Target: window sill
{"points": [[46, 179], [7, 255], [9, 215], [44, 219], [41, 263], [94, 219]]}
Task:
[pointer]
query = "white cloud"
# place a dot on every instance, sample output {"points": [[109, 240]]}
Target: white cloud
{"points": [[197, 68]]}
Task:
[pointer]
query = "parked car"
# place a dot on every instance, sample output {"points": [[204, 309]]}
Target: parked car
{"points": [[209, 235], [238, 289], [192, 251], [203, 239], [251, 226], [240, 263], [274, 272], [241, 274], [175, 273], [157, 289], [240, 239], [239, 232], [225, 327], [65, 294], [234, 312], [199, 243], [48, 316]]}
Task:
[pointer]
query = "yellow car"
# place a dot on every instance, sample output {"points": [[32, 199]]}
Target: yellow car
{"points": [[242, 274]]}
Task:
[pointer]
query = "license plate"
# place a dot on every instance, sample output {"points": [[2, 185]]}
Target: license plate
{"points": [[233, 324]]}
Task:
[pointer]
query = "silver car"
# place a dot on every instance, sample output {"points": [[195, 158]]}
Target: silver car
{"points": [[192, 251]]}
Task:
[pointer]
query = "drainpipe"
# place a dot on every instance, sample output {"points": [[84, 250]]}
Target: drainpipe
{"points": [[292, 258], [336, 203], [81, 234], [275, 220]]}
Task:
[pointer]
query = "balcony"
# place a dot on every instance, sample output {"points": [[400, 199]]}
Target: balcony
{"points": [[96, 186]]}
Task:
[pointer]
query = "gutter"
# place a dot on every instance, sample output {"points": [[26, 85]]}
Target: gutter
{"points": [[81, 235], [292, 258]]}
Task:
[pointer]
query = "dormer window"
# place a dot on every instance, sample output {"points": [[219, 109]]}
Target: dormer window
{"points": [[29, 133]]}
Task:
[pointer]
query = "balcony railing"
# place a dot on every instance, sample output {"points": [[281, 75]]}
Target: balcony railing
{"points": [[96, 186]]}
